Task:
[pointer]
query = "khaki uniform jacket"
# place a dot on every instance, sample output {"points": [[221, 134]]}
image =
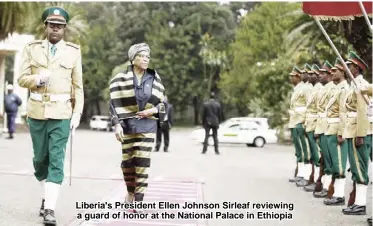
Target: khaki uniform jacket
{"points": [[323, 98], [335, 111], [367, 90], [297, 111], [66, 78], [311, 113], [357, 123]]}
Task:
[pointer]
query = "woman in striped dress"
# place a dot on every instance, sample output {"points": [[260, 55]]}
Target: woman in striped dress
{"points": [[136, 104]]}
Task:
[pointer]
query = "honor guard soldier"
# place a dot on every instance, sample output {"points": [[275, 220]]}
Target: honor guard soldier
{"points": [[297, 114], [355, 131], [307, 89], [311, 117], [52, 70], [368, 91], [321, 124], [335, 120]]}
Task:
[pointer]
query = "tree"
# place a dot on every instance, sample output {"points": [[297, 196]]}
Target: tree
{"points": [[14, 17], [176, 47], [258, 75]]}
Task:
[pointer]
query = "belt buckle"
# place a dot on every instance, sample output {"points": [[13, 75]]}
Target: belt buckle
{"points": [[46, 97]]}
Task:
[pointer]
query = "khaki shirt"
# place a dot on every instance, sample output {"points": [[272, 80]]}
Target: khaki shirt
{"points": [[357, 123], [66, 78], [297, 111], [335, 115], [367, 90], [311, 112], [323, 98]]}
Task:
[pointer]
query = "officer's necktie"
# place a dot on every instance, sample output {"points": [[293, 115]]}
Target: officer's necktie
{"points": [[53, 50]]}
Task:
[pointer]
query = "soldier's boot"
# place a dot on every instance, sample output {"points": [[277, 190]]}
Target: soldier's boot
{"points": [[352, 197], [49, 218], [41, 211], [354, 210], [303, 182], [310, 187], [295, 179], [320, 194], [324, 192], [337, 197], [306, 172], [334, 201], [359, 208], [51, 196]]}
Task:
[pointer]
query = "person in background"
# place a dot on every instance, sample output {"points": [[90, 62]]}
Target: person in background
{"points": [[12, 102], [211, 118], [165, 128]]}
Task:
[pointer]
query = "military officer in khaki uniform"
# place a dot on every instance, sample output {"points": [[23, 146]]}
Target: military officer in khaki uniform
{"points": [[311, 117], [322, 100], [307, 89], [335, 120], [52, 70], [297, 113], [367, 90], [355, 131]]}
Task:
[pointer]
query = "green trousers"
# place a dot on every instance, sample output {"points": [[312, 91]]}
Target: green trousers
{"points": [[338, 155], [49, 138], [323, 144], [359, 160], [301, 150], [315, 152]]}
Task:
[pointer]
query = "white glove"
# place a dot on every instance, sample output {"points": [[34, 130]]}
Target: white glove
{"points": [[75, 121], [42, 77], [119, 132]]}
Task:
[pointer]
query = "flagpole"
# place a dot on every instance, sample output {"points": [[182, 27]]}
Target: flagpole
{"points": [[339, 56], [366, 16]]}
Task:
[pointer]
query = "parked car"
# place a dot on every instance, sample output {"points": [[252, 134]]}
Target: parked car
{"points": [[243, 130], [100, 122]]}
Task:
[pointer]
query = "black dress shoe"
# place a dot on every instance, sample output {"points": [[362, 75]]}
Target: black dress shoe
{"points": [[355, 210], [320, 194], [41, 211], [295, 179], [302, 183], [334, 201], [49, 218], [310, 187]]}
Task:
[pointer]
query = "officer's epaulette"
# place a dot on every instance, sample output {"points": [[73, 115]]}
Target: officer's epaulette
{"points": [[35, 42], [73, 45]]}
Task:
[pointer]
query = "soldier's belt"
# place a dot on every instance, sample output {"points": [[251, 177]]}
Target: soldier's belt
{"points": [[333, 120], [351, 114], [49, 97], [321, 115], [309, 115], [300, 109]]}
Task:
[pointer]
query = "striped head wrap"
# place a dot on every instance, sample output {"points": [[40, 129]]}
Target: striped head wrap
{"points": [[134, 49]]}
